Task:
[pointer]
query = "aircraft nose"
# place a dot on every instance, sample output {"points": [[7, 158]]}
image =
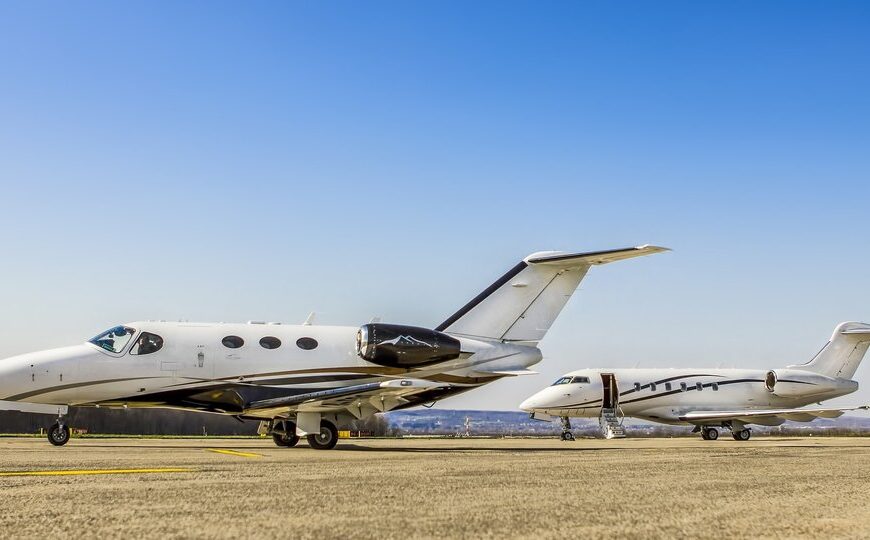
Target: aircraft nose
{"points": [[530, 404]]}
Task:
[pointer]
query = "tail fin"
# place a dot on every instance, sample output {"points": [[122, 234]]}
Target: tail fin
{"points": [[523, 303], [841, 356]]}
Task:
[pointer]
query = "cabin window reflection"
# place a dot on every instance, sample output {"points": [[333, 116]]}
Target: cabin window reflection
{"points": [[270, 342], [683, 387], [637, 387], [652, 386], [147, 343], [715, 387], [667, 386], [306, 343], [699, 386], [232, 342]]}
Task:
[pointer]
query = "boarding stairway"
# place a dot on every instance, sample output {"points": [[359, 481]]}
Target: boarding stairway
{"points": [[611, 427]]}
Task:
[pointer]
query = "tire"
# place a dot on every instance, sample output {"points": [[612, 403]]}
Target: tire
{"points": [[326, 439], [742, 435], [710, 434], [58, 435], [285, 440], [567, 436]]}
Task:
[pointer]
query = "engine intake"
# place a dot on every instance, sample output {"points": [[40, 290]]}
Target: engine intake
{"points": [[395, 345]]}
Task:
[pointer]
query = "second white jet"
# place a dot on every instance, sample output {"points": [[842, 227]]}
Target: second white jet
{"points": [[709, 399]]}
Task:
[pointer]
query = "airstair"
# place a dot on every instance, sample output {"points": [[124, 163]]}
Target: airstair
{"points": [[611, 426]]}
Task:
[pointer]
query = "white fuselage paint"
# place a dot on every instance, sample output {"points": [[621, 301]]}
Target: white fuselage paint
{"points": [[193, 358], [721, 389]]}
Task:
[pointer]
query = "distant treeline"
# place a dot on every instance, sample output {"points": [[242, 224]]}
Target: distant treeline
{"points": [[155, 422]]}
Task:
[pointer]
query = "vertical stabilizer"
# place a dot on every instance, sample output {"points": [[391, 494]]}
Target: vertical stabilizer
{"points": [[841, 356], [522, 304]]}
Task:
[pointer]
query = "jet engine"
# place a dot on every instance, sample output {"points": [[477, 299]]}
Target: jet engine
{"points": [[395, 345], [797, 383]]}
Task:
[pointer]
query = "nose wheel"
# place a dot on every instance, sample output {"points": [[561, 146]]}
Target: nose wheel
{"points": [[566, 429], [58, 434]]}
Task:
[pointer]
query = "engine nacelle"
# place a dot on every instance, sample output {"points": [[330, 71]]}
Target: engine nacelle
{"points": [[395, 345], [797, 383]]}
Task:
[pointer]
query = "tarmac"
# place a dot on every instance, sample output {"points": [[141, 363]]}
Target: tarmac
{"points": [[445, 488]]}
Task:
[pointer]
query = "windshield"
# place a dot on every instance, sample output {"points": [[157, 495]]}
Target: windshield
{"points": [[114, 339], [562, 380]]}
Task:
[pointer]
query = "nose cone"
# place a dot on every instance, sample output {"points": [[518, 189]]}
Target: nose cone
{"points": [[24, 375], [531, 404]]}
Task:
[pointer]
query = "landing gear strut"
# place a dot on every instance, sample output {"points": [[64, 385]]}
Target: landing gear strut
{"points": [[566, 429], [58, 433], [284, 433], [709, 433]]}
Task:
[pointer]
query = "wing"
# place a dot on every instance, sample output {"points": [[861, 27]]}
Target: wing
{"points": [[762, 416], [381, 396]]}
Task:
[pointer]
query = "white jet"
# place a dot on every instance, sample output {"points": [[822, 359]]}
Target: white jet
{"points": [[303, 380], [708, 398]]}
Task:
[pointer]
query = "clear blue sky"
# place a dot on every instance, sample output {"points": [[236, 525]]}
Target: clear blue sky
{"points": [[227, 161]]}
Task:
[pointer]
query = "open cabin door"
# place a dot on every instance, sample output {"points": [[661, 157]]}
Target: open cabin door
{"points": [[611, 391]]}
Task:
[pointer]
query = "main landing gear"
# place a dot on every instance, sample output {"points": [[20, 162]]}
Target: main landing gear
{"points": [[741, 435], [284, 434], [566, 429], [709, 433]]}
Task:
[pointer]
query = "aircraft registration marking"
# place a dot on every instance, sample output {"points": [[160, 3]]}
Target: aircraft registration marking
{"points": [[234, 453], [94, 471]]}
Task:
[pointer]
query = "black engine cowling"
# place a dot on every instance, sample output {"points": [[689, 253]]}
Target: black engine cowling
{"points": [[395, 345]]}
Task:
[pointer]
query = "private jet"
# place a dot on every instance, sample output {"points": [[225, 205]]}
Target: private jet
{"points": [[708, 399], [304, 380]]}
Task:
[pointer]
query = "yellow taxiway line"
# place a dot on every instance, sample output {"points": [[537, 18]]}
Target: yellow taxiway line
{"points": [[94, 471], [234, 453]]}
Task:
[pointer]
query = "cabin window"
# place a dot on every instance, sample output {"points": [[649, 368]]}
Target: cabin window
{"points": [[637, 387], [699, 386], [114, 339], [668, 386], [232, 342], [306, 343], [683, 387], [270, 342], [147, 343], [652, 386], [580, 380], [715, 387]]}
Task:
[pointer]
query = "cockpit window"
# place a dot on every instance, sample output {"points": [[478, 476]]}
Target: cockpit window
{"points": [[114, 339], [147, 343], [580, 380], [562, 380]]}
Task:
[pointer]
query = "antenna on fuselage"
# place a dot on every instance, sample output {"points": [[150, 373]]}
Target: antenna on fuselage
{"points": [[309, 321]]}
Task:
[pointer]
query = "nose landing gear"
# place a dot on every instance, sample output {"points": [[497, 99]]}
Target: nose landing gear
{"points": [[566, 429], [58, 433]]}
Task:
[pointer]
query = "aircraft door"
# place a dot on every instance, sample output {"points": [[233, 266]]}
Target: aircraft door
{"points": [[611, 391]]}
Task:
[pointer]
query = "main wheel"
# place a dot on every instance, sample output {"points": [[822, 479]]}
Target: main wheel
{"points": [[710, 434], [58, 435], [326, 439], [567, 436], [288, 439], [742, 435]]}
